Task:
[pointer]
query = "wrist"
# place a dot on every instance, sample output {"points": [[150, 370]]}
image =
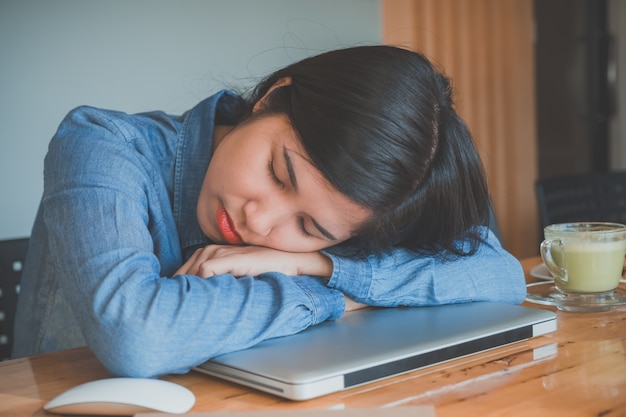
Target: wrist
{"points": [[316, 264]]}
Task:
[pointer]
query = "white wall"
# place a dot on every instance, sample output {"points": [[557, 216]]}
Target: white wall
{"points": [[137, 55]]}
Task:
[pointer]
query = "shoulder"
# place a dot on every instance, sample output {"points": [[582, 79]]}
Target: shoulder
{"points": [[86, 122], [87, 129], [91, 144]]}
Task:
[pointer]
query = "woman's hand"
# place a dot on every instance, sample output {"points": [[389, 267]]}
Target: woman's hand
{"points": [[353, 305], [254, 260]]}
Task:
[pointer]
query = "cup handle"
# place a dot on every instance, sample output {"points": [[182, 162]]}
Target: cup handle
{"points": [[557, 272]]}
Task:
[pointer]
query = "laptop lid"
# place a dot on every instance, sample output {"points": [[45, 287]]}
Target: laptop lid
{"points": [[374, 343]]}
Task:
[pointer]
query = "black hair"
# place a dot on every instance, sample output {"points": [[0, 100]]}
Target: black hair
{"points": [[379, 124]]}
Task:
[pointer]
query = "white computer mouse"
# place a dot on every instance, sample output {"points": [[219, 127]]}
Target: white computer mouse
{"points": [[123, 397]]}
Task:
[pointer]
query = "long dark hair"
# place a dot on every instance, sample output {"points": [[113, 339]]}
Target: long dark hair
{"points": [[379, 124]]}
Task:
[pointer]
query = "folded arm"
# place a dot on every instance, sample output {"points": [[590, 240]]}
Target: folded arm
{"points": [[400, 277], [404, 278]]}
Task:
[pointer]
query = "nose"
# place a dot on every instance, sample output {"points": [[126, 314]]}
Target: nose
{"points": [[261, 217]]}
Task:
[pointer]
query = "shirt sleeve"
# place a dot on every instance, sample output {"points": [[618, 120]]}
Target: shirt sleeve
{"points": [[404, 278], [100, 218]]}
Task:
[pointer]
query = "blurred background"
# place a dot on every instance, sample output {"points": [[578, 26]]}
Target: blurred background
{"points": [[139, 55], [538, 81]]}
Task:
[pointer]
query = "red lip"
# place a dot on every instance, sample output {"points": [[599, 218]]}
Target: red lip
{"points": [[227, 228]]}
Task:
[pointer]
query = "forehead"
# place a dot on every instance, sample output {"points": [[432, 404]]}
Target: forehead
{"points": [[316, 196], [330, 208]]}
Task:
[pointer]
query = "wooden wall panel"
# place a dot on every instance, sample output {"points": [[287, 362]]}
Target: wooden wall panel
{"points": [[486, 47]]}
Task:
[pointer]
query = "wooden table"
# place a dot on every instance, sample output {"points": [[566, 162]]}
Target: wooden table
{"points": [[579, 370]]}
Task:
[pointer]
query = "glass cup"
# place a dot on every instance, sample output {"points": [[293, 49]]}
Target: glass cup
{"points": [[585, 258]]}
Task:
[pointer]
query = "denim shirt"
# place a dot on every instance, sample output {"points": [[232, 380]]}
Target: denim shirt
{"points": [[118, 218]]}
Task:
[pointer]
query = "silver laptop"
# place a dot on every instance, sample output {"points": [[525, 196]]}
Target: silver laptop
{"points": [[374, 343]]}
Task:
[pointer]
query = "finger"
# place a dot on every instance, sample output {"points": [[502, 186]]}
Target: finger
{"points": [[205, 271], [212, 267], [184, 268], [219, 266], [190, 267]]}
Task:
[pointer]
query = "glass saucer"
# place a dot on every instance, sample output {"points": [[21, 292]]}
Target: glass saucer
{"points": [[541, 271], [545, 293]]}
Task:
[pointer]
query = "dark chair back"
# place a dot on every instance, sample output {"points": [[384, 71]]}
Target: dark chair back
{"points": [[582, 197], [12, 256]]}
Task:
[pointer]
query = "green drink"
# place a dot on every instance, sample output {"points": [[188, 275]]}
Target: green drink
{"points": [[591, 268], [585, 258]]}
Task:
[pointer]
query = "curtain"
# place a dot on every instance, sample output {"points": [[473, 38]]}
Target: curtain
{"points": [[487, 48]]}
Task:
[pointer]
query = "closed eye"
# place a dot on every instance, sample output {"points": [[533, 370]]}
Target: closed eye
{"points": [[302, 228], [272, 174]]}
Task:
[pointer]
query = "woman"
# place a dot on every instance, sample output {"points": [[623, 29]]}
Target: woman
{"points": [[346, 176]]}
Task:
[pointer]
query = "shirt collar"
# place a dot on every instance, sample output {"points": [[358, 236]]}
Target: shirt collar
{"points": [[195, 149]]}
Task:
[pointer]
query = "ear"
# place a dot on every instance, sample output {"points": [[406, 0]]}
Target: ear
{"points": [[282, 82]]}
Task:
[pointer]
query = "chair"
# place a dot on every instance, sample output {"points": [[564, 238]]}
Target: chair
{"points": [[582, 197], [12, 255]]}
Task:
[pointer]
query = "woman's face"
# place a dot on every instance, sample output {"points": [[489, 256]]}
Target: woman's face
{"points": [[260, 189]]}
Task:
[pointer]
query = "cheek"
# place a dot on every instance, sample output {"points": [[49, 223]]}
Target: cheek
{"points": [[222, 175], [239, 172]]}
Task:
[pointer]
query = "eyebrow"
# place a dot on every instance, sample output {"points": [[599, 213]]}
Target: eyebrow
{"points": [[294, 183]]}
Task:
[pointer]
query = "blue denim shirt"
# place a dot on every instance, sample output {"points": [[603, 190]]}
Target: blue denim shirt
{"points": [[117, 219]]}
